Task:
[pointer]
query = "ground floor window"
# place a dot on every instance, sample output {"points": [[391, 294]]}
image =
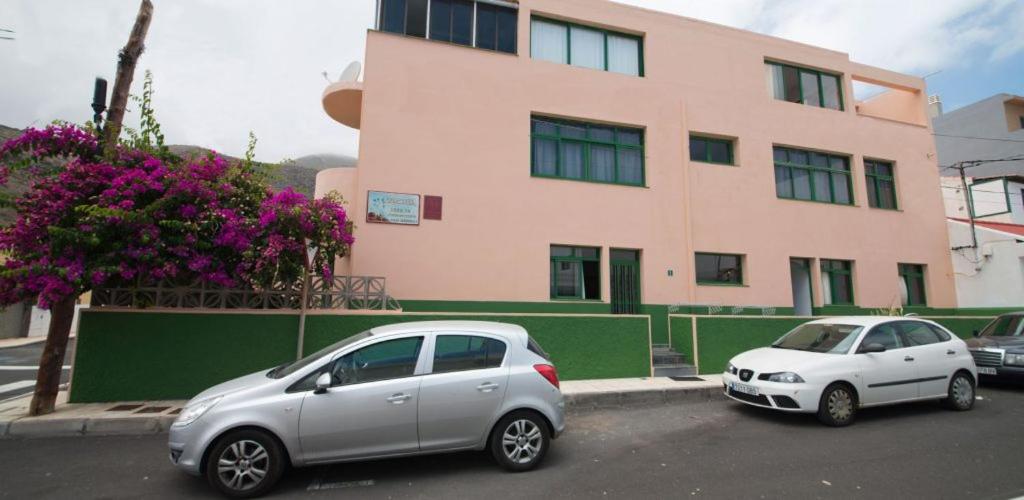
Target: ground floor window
{"points": [[719, 269], [912, 284], [575, 272], [837, 282]]}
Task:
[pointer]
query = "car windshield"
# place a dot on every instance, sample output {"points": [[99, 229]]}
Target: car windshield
{"points": [[290, 368], [1005, 326], [820, 337]]}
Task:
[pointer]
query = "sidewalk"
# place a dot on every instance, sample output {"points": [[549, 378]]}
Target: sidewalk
{"points": [[150, 417], [20, 341]]}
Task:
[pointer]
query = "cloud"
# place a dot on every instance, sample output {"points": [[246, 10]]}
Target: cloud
{"points": [[225, 67]]}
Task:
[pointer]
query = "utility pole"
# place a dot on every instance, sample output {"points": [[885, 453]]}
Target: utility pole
{"points": [[126, 60], [962, 167]]}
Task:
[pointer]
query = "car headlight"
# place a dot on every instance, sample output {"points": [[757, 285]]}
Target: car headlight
{"points": [[1014, 359], [730, 368], [192, 412], [786, 378]]}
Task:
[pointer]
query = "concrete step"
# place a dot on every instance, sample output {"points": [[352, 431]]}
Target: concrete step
{"points": [[679, 370], [668, 359]]}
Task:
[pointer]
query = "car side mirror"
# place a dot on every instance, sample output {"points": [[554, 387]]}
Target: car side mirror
{"points": [[322, 383], [872, 347], [976, 333]]}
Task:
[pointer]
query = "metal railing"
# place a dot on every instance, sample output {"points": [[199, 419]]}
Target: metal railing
{"points": [[341, 292]]}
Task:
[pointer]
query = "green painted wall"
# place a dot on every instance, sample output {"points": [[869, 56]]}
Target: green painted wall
{"points": [[682, 337], [125, 356], [721, 338], [131, 356]]}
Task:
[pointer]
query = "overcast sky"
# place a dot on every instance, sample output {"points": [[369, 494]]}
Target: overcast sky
{"points": [[225, 67]]}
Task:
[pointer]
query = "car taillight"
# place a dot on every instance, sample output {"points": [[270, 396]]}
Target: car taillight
{"points": [[548, 372]]}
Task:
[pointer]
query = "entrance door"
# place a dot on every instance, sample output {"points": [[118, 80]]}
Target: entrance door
{"points": [[625, 280], [800, 276]]}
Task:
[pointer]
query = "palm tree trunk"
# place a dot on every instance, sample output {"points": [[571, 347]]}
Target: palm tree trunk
{"points": [[52, 359]]}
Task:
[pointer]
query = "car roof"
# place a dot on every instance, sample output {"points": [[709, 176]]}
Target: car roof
{"points": [[866, 321], [506, 330]]}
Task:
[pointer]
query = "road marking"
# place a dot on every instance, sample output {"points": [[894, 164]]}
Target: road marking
{"points": [[15, 368], [13, 386]]}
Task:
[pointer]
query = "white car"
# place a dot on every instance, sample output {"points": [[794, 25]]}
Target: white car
{"points": [[834, 366]]}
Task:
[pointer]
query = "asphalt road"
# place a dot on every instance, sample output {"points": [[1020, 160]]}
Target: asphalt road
{"points": [[18, 368], [711, 450]]}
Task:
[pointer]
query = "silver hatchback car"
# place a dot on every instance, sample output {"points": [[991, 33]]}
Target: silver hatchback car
{"points": [[396, 390]]}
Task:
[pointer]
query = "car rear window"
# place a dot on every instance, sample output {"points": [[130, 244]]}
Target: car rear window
{"points": [[535, 348]]}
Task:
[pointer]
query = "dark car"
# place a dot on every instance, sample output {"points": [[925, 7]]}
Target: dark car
{"points": [[998, 349]]}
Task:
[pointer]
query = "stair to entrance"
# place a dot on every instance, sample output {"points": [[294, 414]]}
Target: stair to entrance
{"points": [[670, 363]]}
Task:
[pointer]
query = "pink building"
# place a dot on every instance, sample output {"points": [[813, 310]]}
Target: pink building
{"points": [[582, 155]]}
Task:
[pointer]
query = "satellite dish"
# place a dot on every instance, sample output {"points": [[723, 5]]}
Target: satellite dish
{"points": [[351, 72]]}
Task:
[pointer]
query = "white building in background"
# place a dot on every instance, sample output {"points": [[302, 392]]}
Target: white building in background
{"points": [[991, 275]]}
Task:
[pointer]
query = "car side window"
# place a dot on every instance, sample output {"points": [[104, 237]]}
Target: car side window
{"points": [[918, 334], [884, 334], [943, 335], [453, 353], [385, 360]]}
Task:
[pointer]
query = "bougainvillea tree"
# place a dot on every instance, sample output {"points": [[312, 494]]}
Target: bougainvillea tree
{"points": [[148, 214]]}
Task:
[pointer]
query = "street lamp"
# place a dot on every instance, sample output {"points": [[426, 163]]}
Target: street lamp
{"points": [[308, 258]]}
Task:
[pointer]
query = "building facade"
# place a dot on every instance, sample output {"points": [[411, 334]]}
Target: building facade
{"points": [[592, 156]]}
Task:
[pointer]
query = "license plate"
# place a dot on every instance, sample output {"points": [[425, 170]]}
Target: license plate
{"points": [[984, 370], [744, 388]]}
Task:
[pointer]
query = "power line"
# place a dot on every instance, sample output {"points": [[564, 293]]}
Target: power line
{"points": [[978, 138]]}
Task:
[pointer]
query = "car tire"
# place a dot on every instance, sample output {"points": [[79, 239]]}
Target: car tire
{"points": [[245, 463], [520, 440], [961, 392], [838, 405]]}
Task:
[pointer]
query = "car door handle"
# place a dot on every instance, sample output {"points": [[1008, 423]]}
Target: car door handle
{"points": [[398, 398], [487, 387], [951, 352], [908, 358]]}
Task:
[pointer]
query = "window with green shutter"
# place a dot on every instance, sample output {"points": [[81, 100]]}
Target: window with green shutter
{"points": [[881, 184]]}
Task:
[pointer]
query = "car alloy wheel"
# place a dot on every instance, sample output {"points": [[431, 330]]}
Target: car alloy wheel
{"points": [[243, 465], [522, 441]]}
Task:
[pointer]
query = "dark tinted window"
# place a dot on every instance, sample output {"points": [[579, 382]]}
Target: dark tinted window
{"points": [[392, 14], [507, 30], [462, 22], [486, 26], [381, 361], [416, 18], [535, 348], [917, 333], [441, 20], [453, 353], [719, 268]]}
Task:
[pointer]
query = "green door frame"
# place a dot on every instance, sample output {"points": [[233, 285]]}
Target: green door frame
{"points": [[625, 296]]}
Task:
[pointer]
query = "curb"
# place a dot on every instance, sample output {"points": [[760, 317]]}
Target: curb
{"points": [[24, 427]]}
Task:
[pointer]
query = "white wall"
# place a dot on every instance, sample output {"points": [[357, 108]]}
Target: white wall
{"points": [[992, 276], [40, 324]]}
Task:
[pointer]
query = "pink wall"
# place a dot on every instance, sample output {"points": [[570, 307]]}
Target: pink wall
{"points": [[445, 120]]}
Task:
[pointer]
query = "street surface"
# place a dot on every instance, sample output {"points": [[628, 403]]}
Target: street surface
{"points": [[18, 368], [704, 450]]}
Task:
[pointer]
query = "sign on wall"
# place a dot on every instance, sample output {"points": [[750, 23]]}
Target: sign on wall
{"points": [[393, 208]]}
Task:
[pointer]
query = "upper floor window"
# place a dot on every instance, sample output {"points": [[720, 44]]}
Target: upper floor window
{"points": [[586, 151], [594, 48], [809, 175], [803, 85], [880, 183], [711, 150], [483, 24]]}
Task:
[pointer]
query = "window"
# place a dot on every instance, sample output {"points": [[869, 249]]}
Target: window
{"points": [[809, 175], [586, 151], [719, 269], [917, 333], [381, 361], [837, 281], [1007, 325], [912, 284], [942, 334], [884, 334], [881, 184], [452, 21], [820, 337], [575, 273], [584, 46], [455, 353], [802, 85], [708, 150]]}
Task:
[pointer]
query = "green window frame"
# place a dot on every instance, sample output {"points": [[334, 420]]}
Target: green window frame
{"points": [[587, 139], [840, 281], [812, 176], [911, 275], [702, 144], [728, 268], [586, 261], [881, 184], [569, 26], [807, 93]]}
